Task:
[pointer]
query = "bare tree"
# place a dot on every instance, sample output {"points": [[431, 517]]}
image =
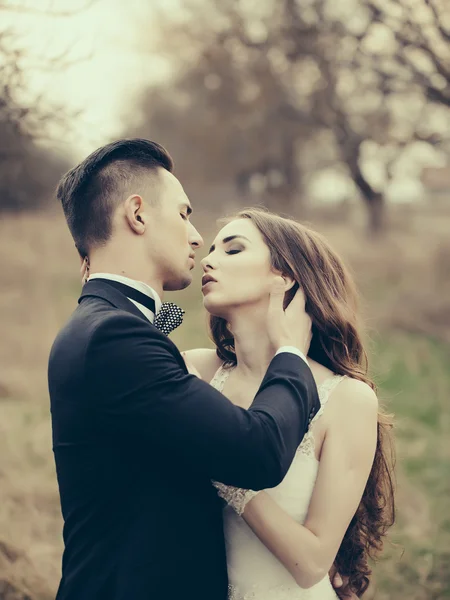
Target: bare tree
{"points": [[330, 78], [422, 31], [355, 88], [27, 170]]}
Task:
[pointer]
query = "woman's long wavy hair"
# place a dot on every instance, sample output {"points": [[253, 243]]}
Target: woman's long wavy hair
{"points": [[331, 301]]}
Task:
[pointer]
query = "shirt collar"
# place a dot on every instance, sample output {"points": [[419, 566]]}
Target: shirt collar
{"points": [[137, 285]]}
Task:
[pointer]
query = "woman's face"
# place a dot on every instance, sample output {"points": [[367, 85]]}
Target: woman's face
{"points": [[237, 270]]}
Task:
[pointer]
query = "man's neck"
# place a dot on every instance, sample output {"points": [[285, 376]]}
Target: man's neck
{"points": [[117, 263]]}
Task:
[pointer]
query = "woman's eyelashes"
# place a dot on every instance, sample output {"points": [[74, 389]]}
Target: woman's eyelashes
{"points": [[233, 251]]}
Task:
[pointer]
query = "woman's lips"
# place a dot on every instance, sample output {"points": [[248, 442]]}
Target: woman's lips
{"points": [[207, 278]]}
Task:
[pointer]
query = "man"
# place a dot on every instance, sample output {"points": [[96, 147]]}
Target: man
{"points": [[136, 438]]}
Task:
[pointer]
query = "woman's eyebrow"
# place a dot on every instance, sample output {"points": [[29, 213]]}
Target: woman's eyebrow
{"points": [[228, 239]]}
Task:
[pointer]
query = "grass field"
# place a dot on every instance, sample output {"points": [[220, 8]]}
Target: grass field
{"points": [[407, 308]]}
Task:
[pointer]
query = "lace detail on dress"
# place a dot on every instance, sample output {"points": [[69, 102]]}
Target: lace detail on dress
{"points": [[254, 572], [235, 497], [221, 375], [283, 592], [308, 445]]}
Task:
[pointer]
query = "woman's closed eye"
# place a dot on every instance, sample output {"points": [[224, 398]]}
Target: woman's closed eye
{"points": [[233, 251]]}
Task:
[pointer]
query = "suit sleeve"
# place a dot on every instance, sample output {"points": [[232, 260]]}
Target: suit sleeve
{"points": [[140, 392]]}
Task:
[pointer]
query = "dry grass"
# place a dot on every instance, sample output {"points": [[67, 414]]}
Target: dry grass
{"points": [[405, 280]]}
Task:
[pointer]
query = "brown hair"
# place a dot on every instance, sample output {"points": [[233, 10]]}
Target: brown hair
{"points": [[331, 301]]}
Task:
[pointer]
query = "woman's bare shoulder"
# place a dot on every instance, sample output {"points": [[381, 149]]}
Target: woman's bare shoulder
{"points": [[357, 390], [356, 399], [205, 360]]}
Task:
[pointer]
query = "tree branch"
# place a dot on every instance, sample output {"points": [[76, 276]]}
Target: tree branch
{"points": [[25, 9], [437, 21]]}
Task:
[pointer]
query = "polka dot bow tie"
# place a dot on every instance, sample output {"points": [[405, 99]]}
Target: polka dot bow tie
{"points": [[169, 317]]}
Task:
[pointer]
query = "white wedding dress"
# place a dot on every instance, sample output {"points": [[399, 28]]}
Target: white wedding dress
{"points": [[254, 572]]}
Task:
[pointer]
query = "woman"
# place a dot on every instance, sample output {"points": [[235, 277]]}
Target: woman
{"points": [[336, 502]]}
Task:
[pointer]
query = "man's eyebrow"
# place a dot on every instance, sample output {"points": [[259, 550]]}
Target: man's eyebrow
{"points": [[230, 238]]}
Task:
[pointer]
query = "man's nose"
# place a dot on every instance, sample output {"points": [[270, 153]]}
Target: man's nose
{"points": [[195, 239]]}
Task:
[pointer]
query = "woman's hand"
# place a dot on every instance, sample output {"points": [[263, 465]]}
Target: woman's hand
{"points": [[84, 270], [340, 585]]}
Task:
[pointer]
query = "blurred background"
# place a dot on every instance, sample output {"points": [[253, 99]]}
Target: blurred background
{"points": [[335, 113]]}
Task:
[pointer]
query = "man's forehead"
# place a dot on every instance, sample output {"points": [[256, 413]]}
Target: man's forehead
{"points": [[173, 187]]}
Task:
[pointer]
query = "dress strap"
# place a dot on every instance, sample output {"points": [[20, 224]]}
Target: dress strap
{"points": [[220, 376], [308, 445], [324, 390]]}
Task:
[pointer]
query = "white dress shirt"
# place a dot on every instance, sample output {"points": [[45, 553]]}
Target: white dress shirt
{"points": [[140, 286]]}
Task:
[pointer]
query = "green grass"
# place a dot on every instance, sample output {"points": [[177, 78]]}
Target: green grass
{"points": [[39, 288], [414, 378]]}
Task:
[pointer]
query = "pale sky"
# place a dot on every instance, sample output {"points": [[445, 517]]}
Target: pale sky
{"points": [[112, 33], [118, 35]]}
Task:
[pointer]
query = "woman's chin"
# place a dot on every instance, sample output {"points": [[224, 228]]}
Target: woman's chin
{"points": [[215, 309]]}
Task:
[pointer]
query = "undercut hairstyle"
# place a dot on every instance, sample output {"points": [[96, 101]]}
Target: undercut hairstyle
{"points": [[91, 191]]}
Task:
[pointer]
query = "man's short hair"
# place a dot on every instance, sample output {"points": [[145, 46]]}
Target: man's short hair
{"points": [[91, 191]]}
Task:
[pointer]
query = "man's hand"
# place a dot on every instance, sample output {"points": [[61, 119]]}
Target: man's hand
{"points": [[290, 327], [340, 585]]}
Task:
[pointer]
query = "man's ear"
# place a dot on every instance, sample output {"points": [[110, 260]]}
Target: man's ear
{"points": [[135, 213]]}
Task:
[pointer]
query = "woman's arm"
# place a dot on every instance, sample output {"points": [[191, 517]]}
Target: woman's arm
{"points": [[308, 551]]}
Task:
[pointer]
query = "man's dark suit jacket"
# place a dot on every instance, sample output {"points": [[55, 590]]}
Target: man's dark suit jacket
{"points": [[137, 440]]}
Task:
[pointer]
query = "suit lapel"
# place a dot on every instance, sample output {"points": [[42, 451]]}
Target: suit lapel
{"points": [[101, 289]]}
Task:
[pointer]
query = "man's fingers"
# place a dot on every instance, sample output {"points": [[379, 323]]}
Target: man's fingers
{"points": [[277, 294], [298, 302], [277, 286]]}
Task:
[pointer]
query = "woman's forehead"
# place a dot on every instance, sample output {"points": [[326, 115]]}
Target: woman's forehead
{"points": [[239, 227]]}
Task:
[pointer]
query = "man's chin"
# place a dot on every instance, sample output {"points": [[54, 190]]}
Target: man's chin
{"points": [[176, 286]]}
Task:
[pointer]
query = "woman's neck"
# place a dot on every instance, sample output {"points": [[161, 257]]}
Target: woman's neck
{"points": [[253, 350], [251, 343]]}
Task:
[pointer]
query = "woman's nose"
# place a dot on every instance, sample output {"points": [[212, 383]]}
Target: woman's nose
{"points": [[206, 263]]}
